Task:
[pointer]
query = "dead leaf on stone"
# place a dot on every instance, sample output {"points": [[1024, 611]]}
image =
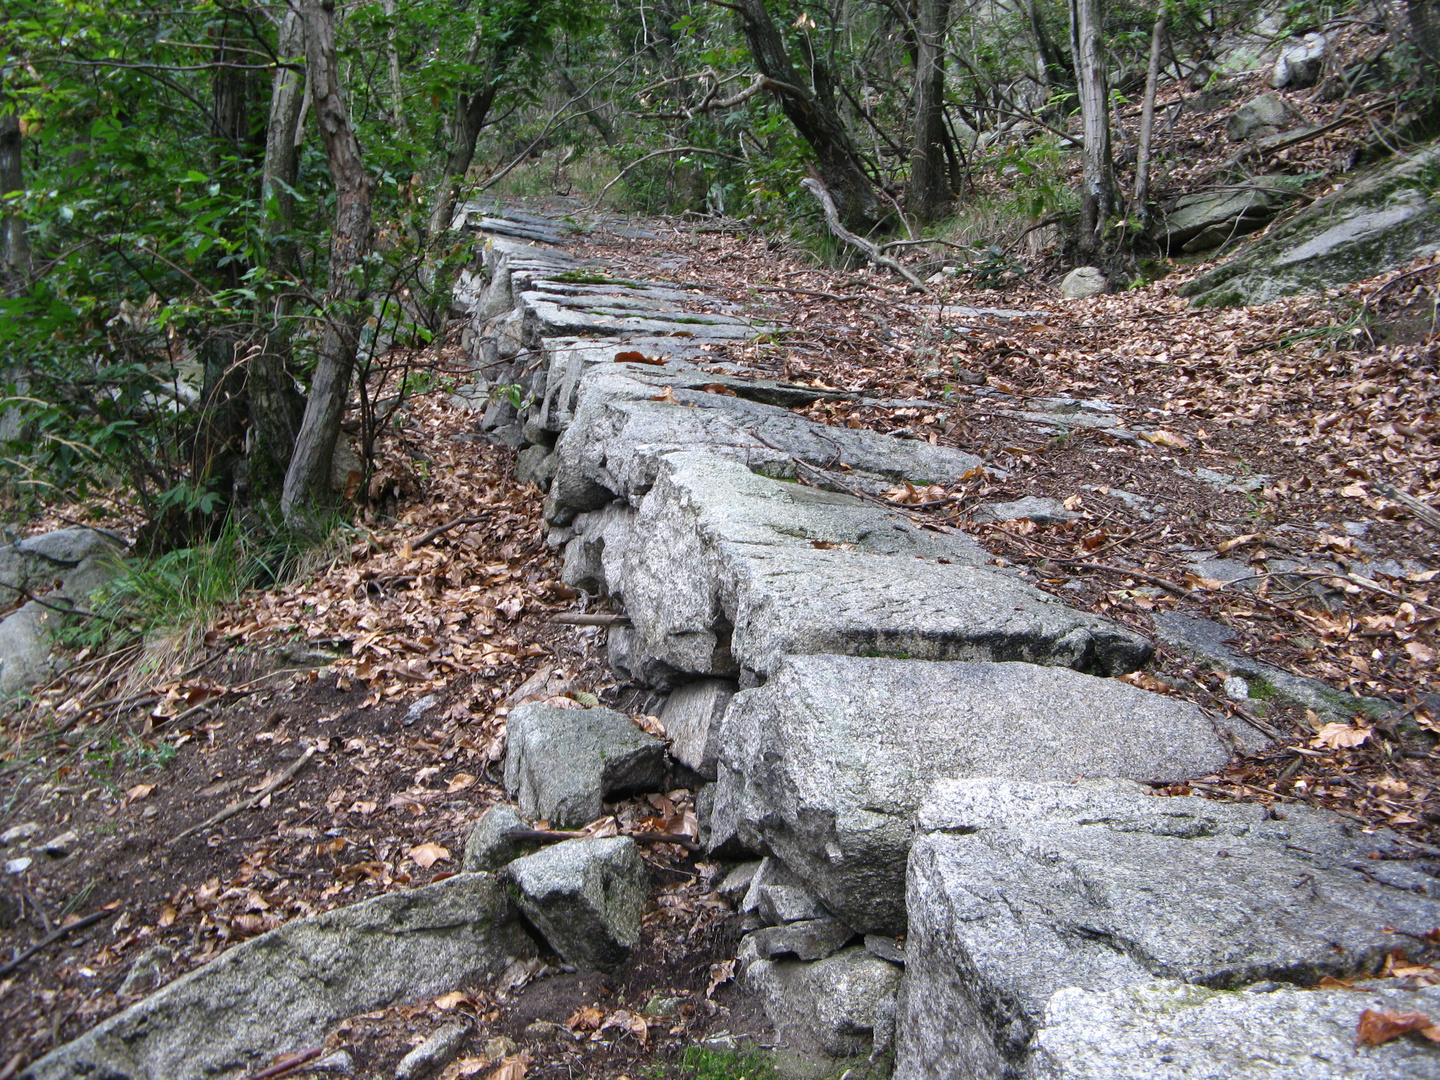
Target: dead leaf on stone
{"points": [[1235, 542], [449, 1001], [428, 854], [1379, 1027], [138, 792], [1341, 736], [668, 394]]}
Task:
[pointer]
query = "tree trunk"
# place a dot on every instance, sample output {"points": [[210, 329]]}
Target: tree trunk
{"points": [[308, 478], [392, 57], [1097, 195], [471, 111], [929, 183], [581, 98], [1424, 21], [837, 160], [1147, 119], [275, 404], [14, 247]]}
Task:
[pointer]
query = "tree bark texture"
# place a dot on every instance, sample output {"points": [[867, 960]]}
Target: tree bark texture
{"points": [[472, 107], [14, 246], [837, 160], [597, 119], [1147, 118], [392, 59], [308, 477], [282, 144], [929, 193], [1097, 195], [1424, 19]]}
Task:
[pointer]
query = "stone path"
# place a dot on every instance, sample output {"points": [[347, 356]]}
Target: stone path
{"points": [[951, 860], [851, 681]]}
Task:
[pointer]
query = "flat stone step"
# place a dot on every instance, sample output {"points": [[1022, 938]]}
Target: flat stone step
{"points": [[286, 989], [546, 318], [624, 420], [1018, 891], [725, 570], [825, 765]]}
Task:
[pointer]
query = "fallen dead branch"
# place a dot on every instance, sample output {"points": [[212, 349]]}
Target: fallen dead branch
{"points": [[602, 618], [55, 935], [254, 800], [440, 530], [875, 255], [287, 1064]]}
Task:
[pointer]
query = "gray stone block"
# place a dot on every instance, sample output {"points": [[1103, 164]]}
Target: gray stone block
{"points": [[825, 764], [561, 764], [1017, 891], [835, 1006], [691, 718], [1168, 1030], [808, 939], [728, 570], [288, 988], [585, 897], [490, 845]]}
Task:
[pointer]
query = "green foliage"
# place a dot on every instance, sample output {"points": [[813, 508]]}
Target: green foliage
{"points": [[709, 1063]]}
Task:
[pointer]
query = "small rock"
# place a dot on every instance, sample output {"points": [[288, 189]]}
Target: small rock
{"points": [[499, 1047], [809, 939], [420, 707], [339, 1063], [1265, 115], [18, 833], [60, 846], [544, 1029], [662, 1006], [562, 763], [1040, 510], [585, 897], [148, 972], [1236, 688], [837, 1006], [786, 904], [18, 866], [434, 1053], [769, 873], [886, 948], [536, 465], [691, 718], [737, 881], [1083, 281], [1300, 64], [490, 846]]}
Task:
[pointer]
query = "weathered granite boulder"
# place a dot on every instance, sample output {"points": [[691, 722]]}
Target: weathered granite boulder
{"points": [[1385, 218], [824, 766], [1299, 65], [585, 897], [561, 764], [1019, 890], [284, 990], [840, 1006], [622, 427], [727, 570], [691, 718], [1207, 219], [26, 637], [1040, 510], [1082, 282], [1168, 1030], [807, 939], [490, 845], [1267, 114], [535, 465]]}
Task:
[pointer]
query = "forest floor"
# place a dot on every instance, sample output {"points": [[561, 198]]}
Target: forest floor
{"points": [[398, 659]]}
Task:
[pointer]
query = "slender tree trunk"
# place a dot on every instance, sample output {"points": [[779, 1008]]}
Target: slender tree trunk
{"points": [[1097, 195], [471, 110], [392, 57], [595, 116], [275, 404], [837, 160], [14, 246], [1147, 118], [929, 185], [1424, 19], [308, 478]]}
